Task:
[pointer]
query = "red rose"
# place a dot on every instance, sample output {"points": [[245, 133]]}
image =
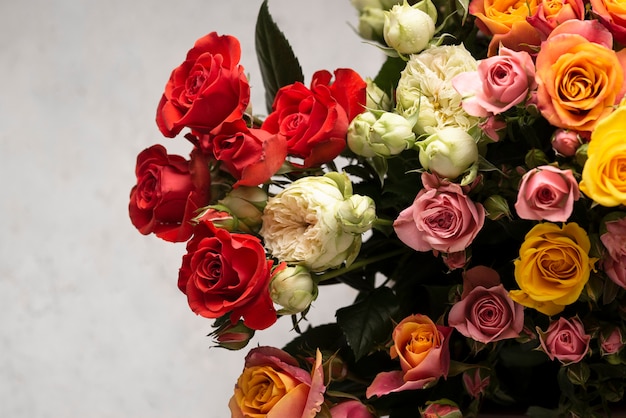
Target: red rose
{"points": [[315, 121], [209, 88], [169, 190], [251, 155], [227, 273]]}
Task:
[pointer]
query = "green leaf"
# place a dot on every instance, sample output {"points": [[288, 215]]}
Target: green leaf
{"points": [[389, 74], [368, 323], [279, 66]]}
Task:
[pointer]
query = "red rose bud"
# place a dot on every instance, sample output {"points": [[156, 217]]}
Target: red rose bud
{"points": [[219, 216], [232, 337]]}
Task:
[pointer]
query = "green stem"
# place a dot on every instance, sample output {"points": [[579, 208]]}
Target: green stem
{"points": [[358, 265]]}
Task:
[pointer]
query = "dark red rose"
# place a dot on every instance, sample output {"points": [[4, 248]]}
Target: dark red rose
{"points": [[251, 155], [227, 273], [169, 190], [209, 88], [315, 121]]}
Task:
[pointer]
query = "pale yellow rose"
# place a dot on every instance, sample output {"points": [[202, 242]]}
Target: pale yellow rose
{"points": [[604, 173], [553, 267]]}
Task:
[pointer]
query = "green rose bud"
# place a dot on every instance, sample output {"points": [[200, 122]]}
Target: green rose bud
{"points": [[408, 29], [361, 5], [449, 152], [246, 205], [535, 158], [497, 207], [371, 24], [294, 289], [357, 214], [385, 135], [581, 154], [376, 98]]}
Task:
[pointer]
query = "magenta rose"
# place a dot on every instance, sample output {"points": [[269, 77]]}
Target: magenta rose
{"points": [[422, 348], [168, 192], [224, 273], [485, 312], [565, 340], [314, 122], [499, 83], [250, 155], [547, 193], [273, 385], [207, 89], [350, 409], [614, 260], [441, 218]]}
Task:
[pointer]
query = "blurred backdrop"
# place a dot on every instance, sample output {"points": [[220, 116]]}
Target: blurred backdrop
{"points": [[92, 323]]}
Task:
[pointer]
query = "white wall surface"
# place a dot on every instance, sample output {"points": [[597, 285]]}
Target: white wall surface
{"points": [[91, 321]]}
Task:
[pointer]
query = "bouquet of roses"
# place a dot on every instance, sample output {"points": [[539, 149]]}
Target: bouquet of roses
{"points": [[473, 192]]}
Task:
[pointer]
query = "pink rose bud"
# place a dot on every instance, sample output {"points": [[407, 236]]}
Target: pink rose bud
{"points": [[350, 409], [547, 193], [565, 340], [442, 409], [565, 142], [474, 384], [612, 342], [232, 337], [614, 240]]}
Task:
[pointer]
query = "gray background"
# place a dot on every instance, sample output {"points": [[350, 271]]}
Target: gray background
{"points": [[92, 324]]}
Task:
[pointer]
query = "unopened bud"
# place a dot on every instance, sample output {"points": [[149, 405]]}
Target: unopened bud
{"points": [[450, 152], [293, 288], [408, 29], [497, 207]]}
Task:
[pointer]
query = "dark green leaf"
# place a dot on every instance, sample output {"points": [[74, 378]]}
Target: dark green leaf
{"points": [[369, 321], [389, 74], [538, 412], [279, 66]]}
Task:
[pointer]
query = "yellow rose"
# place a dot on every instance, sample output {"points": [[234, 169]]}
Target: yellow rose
{"points": [[604, 173], [553, 267]]}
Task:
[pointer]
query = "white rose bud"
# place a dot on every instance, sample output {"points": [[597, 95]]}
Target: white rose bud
{"points": [[385, 135], [246, 205], [293, 289], [361, 5], [376, 98], [371, 23], [449, 152], [357, 214], [408, 29]]}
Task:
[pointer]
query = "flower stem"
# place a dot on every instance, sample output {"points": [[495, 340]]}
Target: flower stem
{"points": [[362, 263]]}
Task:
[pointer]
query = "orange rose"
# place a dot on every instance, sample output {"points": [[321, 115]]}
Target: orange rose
{"points": [[579, 76], [422, 348], [505, 21], [612, 14]]}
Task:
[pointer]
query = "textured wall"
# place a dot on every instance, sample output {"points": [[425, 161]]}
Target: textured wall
{"points": [[92, 324]]}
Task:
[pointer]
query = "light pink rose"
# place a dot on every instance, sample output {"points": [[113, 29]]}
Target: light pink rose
{"points": [[565, 142], [549, 14], [455, 260], [350, 409], [423, 350], [441, 218], [485, 312], [441, 410], [611, 343], [499, 83], [547, 193], [565, 340], [614, 261]]}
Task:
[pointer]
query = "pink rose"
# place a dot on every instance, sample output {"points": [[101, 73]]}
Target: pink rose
{"points": [[498, 84], [547, 193], [565, 340], [350, 409], [611, 343], [294, 391], [474, 384], [565, 142], [422, 348], [550, 14], [441, 218], [485, 312], [441, 410], [614, 240]]}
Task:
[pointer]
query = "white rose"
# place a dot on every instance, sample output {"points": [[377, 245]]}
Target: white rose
{"points": [[449, 152], [408, 29]]}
